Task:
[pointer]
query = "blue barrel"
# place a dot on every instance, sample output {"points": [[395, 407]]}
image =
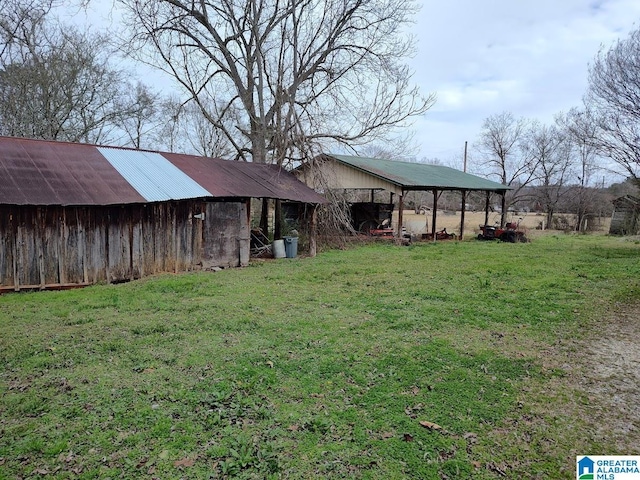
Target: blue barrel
{"points": [[291, 246]]}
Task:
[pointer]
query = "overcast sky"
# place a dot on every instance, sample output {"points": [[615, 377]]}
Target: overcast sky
{"points": [[527, 57], [483, 57]]}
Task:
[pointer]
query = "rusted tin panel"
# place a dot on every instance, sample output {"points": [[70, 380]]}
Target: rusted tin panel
{"points": [[36, 172], [224, 178]]}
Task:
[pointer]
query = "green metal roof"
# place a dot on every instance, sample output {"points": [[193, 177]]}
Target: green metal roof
{"points": [[419, 176]]}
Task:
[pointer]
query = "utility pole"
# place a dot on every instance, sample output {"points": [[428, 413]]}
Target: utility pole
{"points": [[465, 157]]}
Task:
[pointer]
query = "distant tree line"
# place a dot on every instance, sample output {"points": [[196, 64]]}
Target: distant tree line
{"points": [[556, 168]]}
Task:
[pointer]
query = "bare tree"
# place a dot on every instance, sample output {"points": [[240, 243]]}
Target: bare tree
{"points": [[57, 82], [549, 149], [294, 75], [139, 117], [299, 71], [614, 98], [500, 144], [185, 129], [582, 130]]}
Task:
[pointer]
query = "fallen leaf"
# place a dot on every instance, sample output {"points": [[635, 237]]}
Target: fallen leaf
{"points": [[143, 461], [270, 363], [407, 437], [387, 435], [470, 436], [42, 471], [293, 428], [185, 462], [430, 425]]}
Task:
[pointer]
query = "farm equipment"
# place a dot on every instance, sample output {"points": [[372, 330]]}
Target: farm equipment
{"points": [[509, 233], [372, 219], [441, 235]]}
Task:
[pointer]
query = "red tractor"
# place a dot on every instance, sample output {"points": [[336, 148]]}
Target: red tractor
{"points": [[509, 233]]}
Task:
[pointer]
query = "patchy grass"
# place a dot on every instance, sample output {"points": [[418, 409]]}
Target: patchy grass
{"points": [[317, 368]]}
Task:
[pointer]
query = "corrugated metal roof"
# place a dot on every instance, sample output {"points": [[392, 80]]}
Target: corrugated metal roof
{"points": [[49, 173], [152, 175], [38, 172], [224, 178], [419, 176]]}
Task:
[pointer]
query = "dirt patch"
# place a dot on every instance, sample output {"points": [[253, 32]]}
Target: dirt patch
{"points": [[610, 378]]}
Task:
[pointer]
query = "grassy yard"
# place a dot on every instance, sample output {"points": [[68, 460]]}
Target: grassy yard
{"points": [[453, 360]]}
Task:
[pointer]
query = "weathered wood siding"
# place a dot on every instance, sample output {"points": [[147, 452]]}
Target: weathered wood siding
{"points": [[226, 238], [626, 216], [54, 246]]}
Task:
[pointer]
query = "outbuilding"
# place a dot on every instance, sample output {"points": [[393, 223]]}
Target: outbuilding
{"points": [[626, 216], [74, 214], [349, 172]]}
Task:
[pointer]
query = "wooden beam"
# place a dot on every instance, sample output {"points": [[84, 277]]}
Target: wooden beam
{"points": [[313, 231], [15, 229], [400, 211], [434, 214], [486, 209], [40, 233], [463, 209], [82, 241]]}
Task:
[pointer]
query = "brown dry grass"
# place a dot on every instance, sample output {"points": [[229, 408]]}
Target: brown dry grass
{"points": [[417, 224]]}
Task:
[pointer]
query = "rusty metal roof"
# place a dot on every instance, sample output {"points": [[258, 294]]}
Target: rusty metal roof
{"points": [[419, 176], [40, 172], [224, 178]]}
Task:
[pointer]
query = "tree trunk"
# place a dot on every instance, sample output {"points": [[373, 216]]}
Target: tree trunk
{"points": [[277, 221]]}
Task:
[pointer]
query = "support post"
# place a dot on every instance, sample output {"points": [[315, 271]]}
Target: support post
{"points": [[313, 231], [264, 217], [277, 220], [486, 209], [400, 211], [463, 209], [434, 214]]}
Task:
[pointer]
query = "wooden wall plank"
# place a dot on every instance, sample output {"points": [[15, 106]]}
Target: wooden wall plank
{"points": [[7, 246], [57, 246], [27, 265], [224, 226]]}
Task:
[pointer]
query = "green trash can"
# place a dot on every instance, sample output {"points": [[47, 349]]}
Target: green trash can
{"points": [[291, 246]]}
